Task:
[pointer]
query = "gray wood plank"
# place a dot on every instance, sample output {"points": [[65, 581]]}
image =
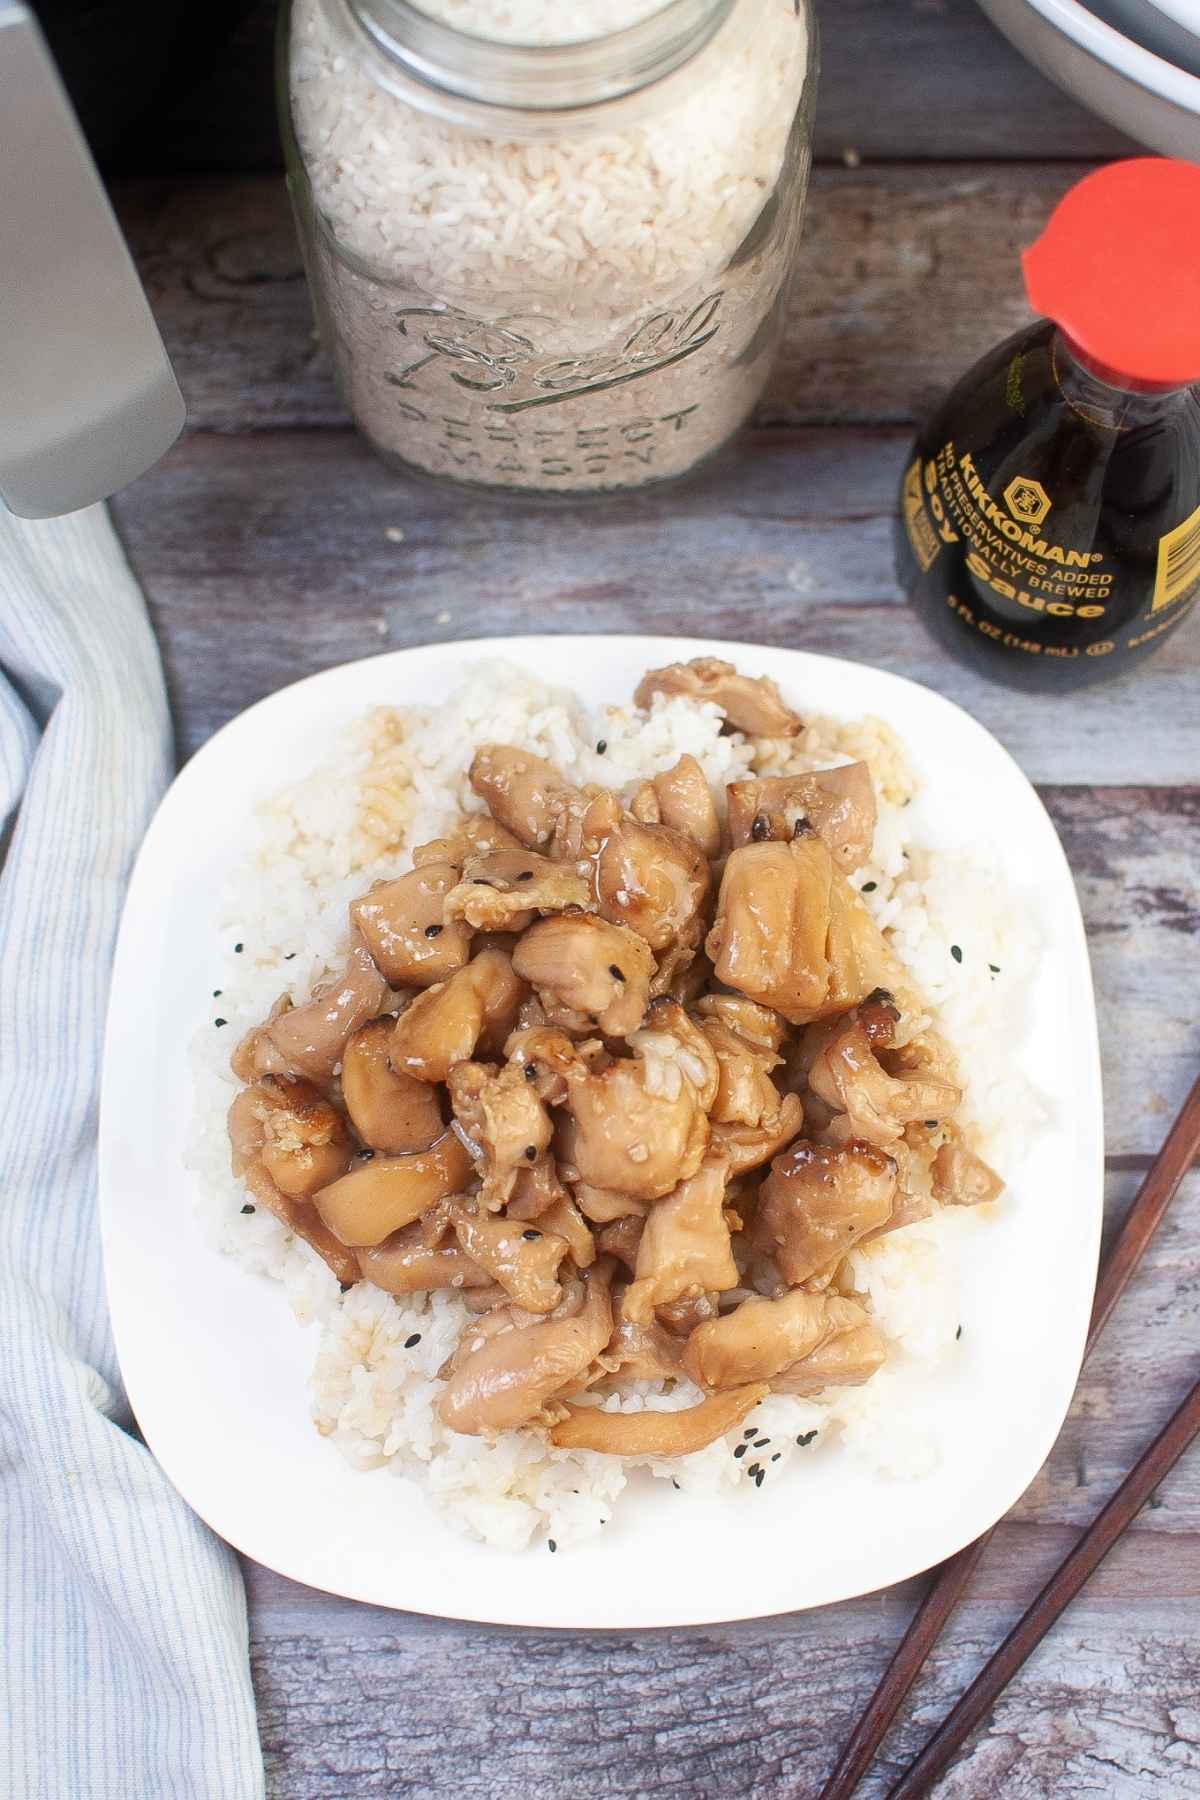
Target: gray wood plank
{"points": [[906, 275], [1136, 861], [934, 78], [900, 78], [788, 543], [1105, 1708]]}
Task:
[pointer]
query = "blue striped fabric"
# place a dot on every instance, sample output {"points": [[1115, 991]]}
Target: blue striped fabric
{"points": [[123, 1668]]}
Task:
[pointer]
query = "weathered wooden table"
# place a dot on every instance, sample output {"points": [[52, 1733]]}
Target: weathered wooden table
{"points": [[271, 544]]}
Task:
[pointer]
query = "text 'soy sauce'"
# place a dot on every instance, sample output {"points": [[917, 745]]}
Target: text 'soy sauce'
{"points": [[1050, 514]]}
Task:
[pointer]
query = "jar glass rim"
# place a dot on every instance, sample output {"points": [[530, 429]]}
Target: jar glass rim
{"points": [[538, 77]]}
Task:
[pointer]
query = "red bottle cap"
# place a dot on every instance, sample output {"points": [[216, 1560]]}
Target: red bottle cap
{"points": [[1118, 269]]}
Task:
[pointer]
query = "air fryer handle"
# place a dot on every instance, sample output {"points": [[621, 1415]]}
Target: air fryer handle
{"points": [[88, 399]]}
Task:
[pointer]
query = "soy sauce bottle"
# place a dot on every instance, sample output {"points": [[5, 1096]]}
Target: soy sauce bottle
{"points": [[1049, 528]]}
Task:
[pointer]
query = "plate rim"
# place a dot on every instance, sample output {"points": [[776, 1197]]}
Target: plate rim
{"points": [[524, 648]]}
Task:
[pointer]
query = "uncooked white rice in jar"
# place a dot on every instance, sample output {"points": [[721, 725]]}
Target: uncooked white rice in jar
{"points": [[397, 779], [593, 309], [541, 21]]}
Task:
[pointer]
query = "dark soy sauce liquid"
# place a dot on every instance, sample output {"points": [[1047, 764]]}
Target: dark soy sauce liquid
{"points": [[1034, 510]]}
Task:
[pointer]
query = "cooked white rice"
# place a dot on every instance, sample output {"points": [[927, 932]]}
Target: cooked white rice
{"points": [[399, 777]]}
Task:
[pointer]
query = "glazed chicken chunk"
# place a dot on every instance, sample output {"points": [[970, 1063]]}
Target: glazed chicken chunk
{"points": [[507, 890], [746, 1038], [681, 799], [523, 1260], [849, 1077], [751, 703], [405, 1263], [818, 1201], [638, 1125], [388, 1109], [748, 1147], [309, 1039], [510, 1364], [791, 933], [301, 1140], [553, 1063], [502, 1121], [445, 1024], [646, 877], [685, 1246], [384, 1193], [253, 1121], [850, 1355], [590, 966], [472, 835], [960, 1178], [523, 792], [838, 803], [761, 1339], [405, 926]]}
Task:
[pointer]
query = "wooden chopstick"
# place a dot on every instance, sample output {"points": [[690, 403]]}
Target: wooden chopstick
{"points": [[1162, 1181], [1055, 1597]]}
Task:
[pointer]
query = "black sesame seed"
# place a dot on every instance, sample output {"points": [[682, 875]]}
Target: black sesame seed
{"points": [[247, 1208], [751, 1432], [601, 746], [761, 828], [217, 992], [806, 1439], [531, 1070], [238, 948], [676, 1485], [956, 952], [762, 1443], [525, 875], [741, 1450], [530, 1235], [220, 1022], [754, 1470], [868, 887], [802, 828], [551, 1545], [432, 931], [931, 1124], [760, 1478], [777, 1456], [616, 973], [410, 1343], [481, 881], [958, 1334], [994, 967], [290, 957], [531, 1152]]}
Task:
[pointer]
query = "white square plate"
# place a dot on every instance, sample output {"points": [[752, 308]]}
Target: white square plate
{"points": [[216, 1367]]}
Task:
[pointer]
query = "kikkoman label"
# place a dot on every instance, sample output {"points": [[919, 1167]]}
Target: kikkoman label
{"points": [[1010, 549]]}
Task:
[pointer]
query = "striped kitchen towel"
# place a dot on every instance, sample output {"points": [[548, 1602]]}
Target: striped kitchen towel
{"points": [[123, 1667]]}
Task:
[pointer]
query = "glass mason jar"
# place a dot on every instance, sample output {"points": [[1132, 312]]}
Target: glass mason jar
{"points": [[549, 266]]}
